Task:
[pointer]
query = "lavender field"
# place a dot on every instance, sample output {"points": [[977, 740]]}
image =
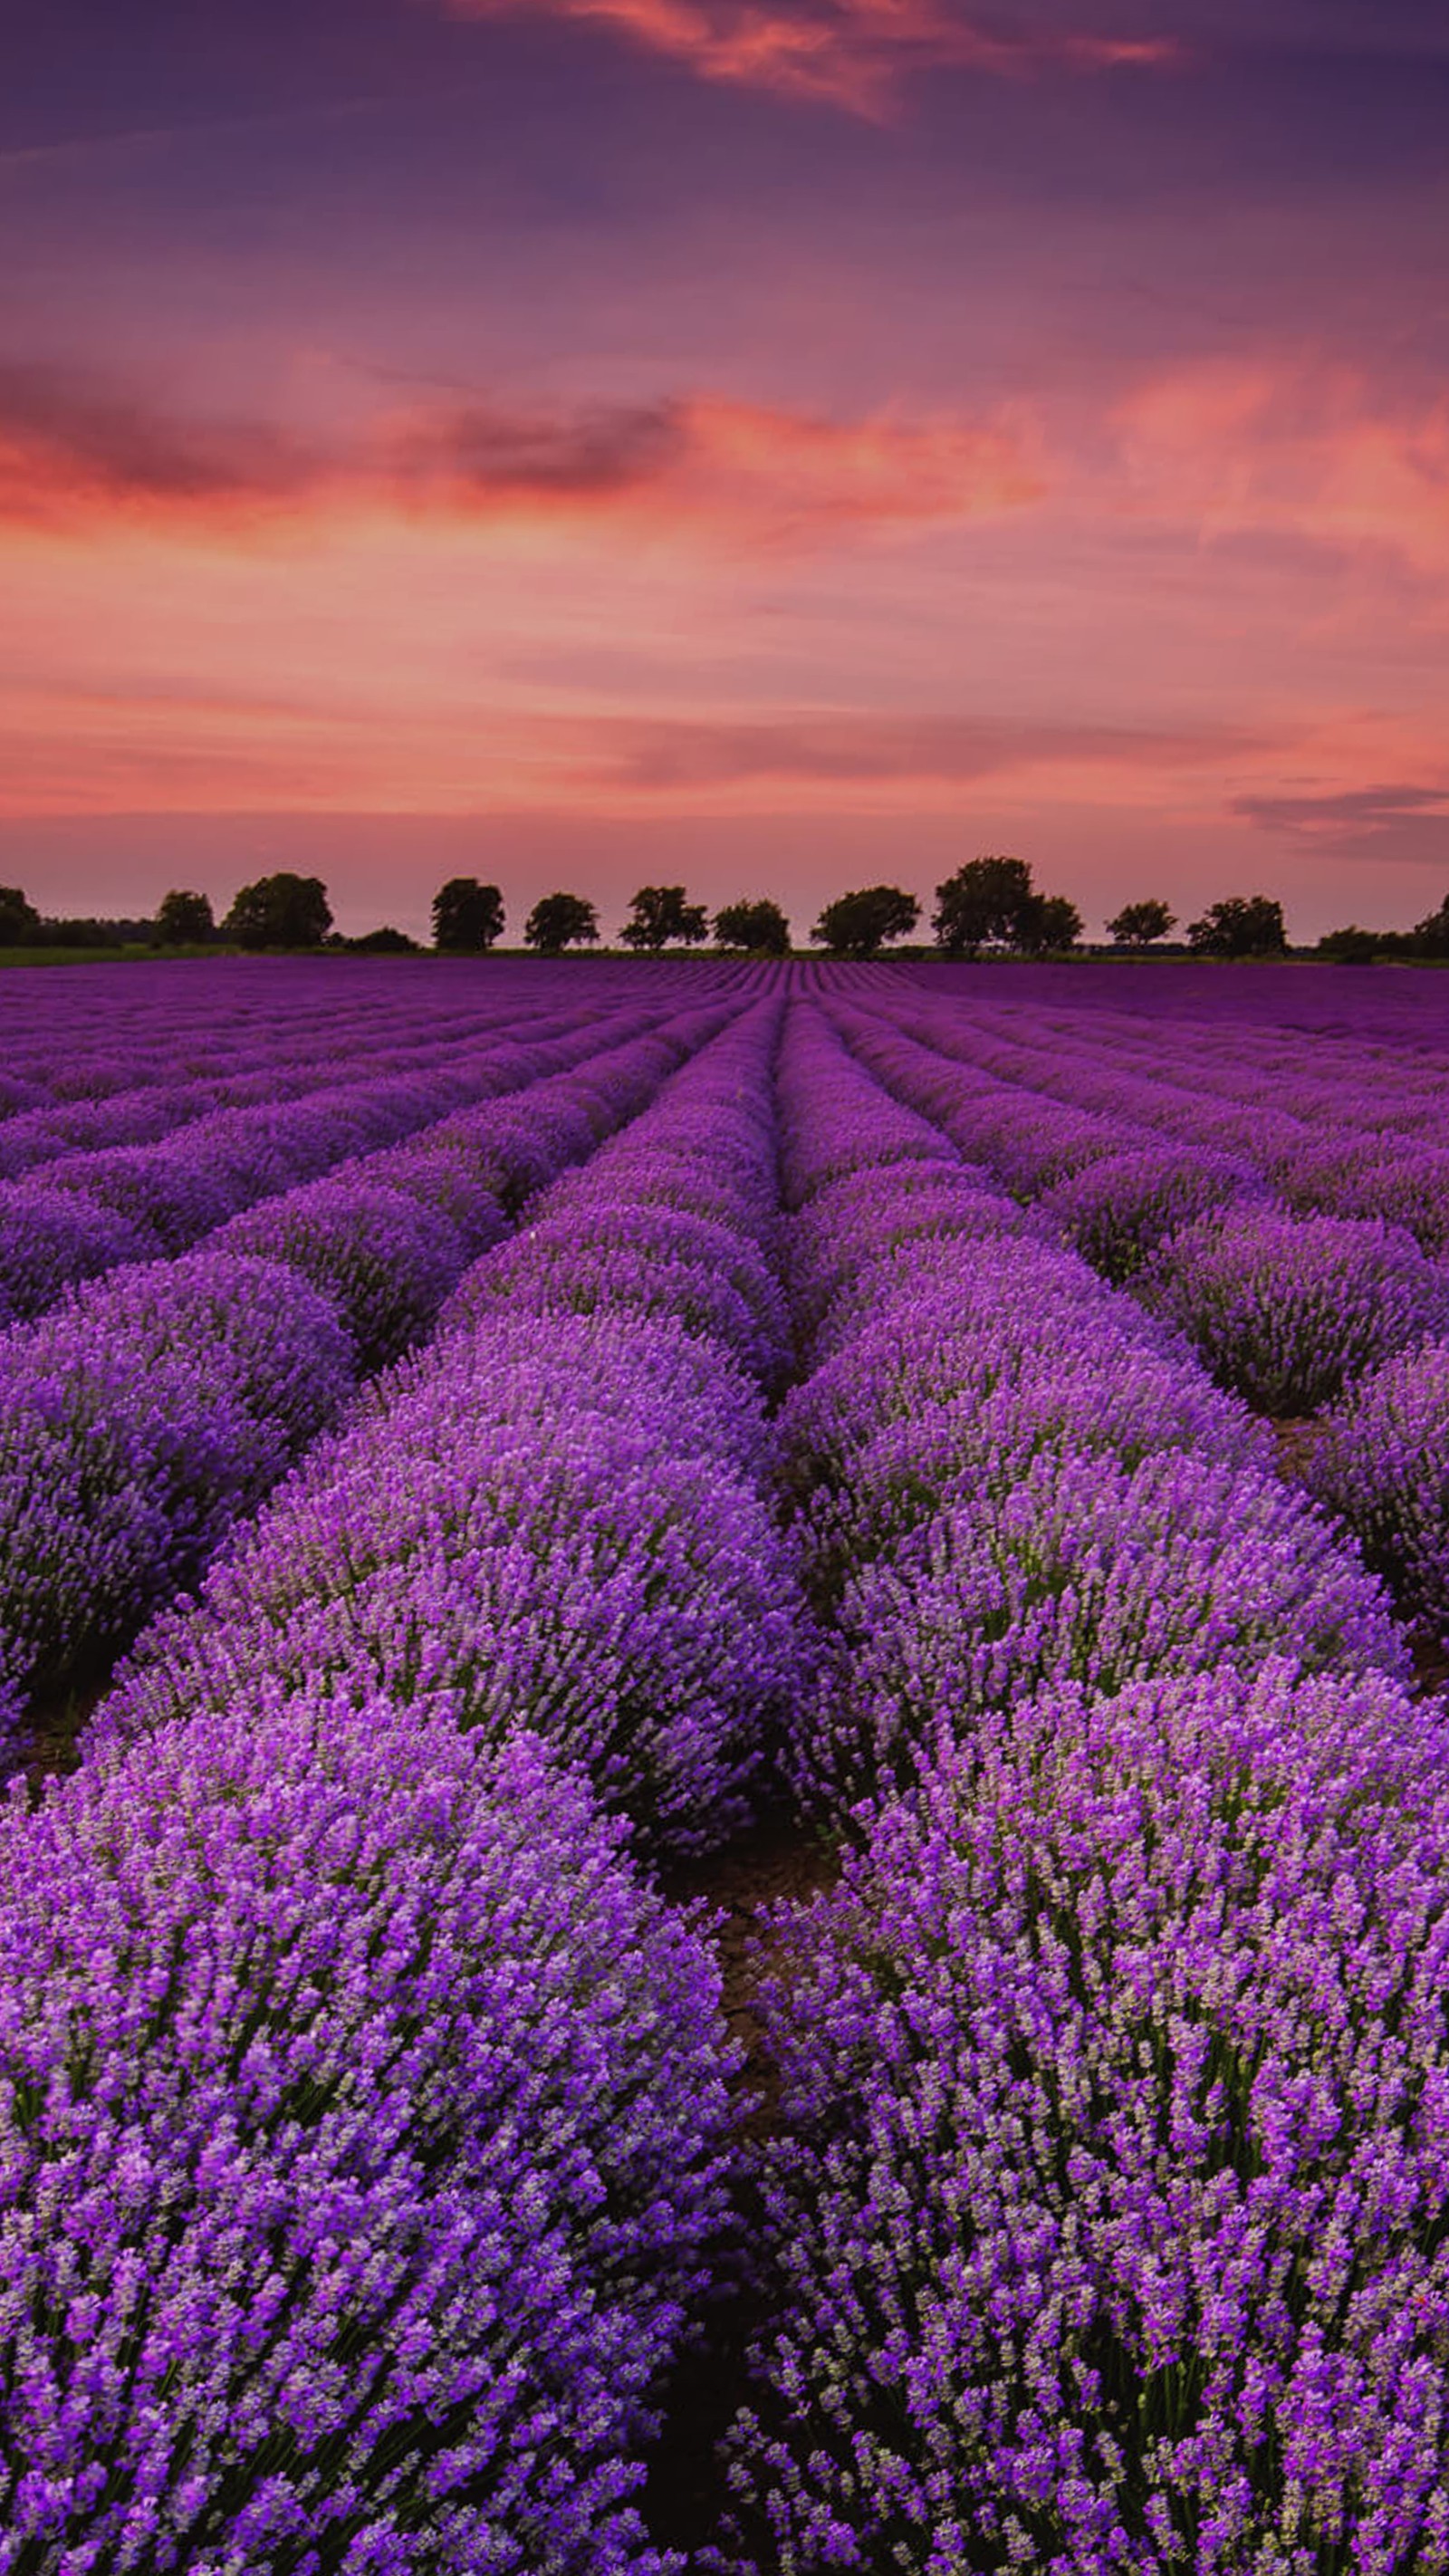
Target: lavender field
{"points": [[501, 1464]]}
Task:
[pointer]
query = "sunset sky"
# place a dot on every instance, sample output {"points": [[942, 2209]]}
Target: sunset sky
{"points": [[773, 446]]}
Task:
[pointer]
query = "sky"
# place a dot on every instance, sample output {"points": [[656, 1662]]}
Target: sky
{"points": [[775, 444]]}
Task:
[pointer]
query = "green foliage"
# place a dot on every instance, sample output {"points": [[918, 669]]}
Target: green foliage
{"points": [[467, 917], [761, 927], [183, 918], [1241, 925], [560, 921], [1138, 924], [658, 914], [281, 911], [858, 925]]}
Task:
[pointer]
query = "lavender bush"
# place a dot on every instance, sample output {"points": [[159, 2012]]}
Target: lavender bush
{"points": [[1286, 1310], [1383, 1464], [136, 1422], [1111, 2210], [363, 2121], [1081, 1573]]}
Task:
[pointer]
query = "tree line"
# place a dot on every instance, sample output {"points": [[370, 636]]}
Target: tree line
{"points": [[989, 906]]}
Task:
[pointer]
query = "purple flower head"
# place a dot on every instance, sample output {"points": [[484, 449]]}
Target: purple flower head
{"points": [[1118, 1211], [1286, 1310], [363, 2120], [1108, 2217], [1383, 1465]]}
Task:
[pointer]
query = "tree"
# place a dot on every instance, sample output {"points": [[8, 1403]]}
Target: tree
{"points": [[1050, 921], [988, 901], [467, 917], [858, 925], [385, 942], [760, 927], [1351, 946], [1430, 937], [659, 914], [19, 919], [991, 902], [1241, 925], [1138, 924], [560, 921], [183, 917], [281, 911]]}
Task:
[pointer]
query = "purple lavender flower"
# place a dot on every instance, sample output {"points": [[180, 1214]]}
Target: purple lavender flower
{"points": [[1286, 1310], [362, 2120], [1108, 2220], [1383, 1464]]}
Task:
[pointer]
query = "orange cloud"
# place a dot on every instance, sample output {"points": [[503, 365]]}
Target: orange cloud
{"points": [[73, 455], [851, 54]]}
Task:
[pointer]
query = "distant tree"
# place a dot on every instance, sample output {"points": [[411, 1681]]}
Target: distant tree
{"points": [[1430, 937], [658, 914], [1241, 925], [988, 902], [183, 918], [467, 917], [385, 942], [760, 927], [1138, 924], [91, 930], [1050, 921], [858, 925], [1350, 946], [281, 911], [19, 919], [560, 921]]}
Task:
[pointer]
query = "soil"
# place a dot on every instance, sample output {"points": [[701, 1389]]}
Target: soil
{"points": [[775, 1862]]}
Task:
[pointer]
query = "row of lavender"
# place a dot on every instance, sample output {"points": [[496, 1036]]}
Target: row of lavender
{"points": [[1295, 1311], [1107, 2222], [367, 2119], [153, 1407], [169, 1162], [364, 2176]]}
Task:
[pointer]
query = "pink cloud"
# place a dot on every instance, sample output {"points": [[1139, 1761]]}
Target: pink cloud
{"points": [[75, 455], [851, 54], [1295, 446]]}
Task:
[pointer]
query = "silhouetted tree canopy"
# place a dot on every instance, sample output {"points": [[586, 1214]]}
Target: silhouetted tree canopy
{"points": [[1241, 925], [1050, 921], [859, 924], [658, 914], [281, 911], [760, 927], [385, 942], [467, 917], [987, 903], [182, 916], [1430, 937], [1350, 946], [19, 919], [1138, 924], [560, 921]]}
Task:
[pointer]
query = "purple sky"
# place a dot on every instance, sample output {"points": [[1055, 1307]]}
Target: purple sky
{"points": [[779, 447]]}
